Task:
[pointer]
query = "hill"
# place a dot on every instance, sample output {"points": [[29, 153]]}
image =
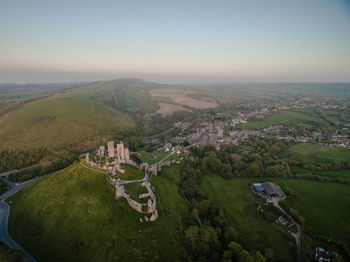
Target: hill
{"points": [[82, 115], [73, 216]]}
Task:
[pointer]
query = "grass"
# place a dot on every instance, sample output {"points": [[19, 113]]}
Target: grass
{"points": [[131, 173], [280, 118], [336, 173], [74, 116], [320, 152], [152, 158], [325, 206], [237, 200], [73, 216], [305, 148], [135, 190]]}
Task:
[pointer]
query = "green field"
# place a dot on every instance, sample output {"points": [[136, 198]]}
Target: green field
{"points": [[336, 173], [305, 148], [135, 190], [280, 118], [320, 152], [153, 157], [325, 206], [255, 233], [73, 216]]}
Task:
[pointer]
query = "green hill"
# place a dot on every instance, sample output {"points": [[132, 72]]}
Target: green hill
{"points": [[73, 216], [83, 114]]}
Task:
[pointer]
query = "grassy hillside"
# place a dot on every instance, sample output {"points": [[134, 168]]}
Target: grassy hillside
{"points": [[73, 216], [237, 200], [76, 115]]}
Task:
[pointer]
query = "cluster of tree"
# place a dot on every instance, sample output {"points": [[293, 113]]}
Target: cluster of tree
{"points": [[18, 159], [208, 237], [10, 254], [319, 178], [255, 157], [3, 187], [57, 163]]}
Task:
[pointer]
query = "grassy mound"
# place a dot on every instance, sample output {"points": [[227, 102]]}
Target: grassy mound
{"points": [[73, 216]]}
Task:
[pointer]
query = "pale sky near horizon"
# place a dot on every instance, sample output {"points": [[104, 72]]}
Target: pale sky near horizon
{"points": [[175, 41]]}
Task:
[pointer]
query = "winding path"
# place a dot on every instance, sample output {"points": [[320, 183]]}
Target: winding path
{"points": [[275, 201]]}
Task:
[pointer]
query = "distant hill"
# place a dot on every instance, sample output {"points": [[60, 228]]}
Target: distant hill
{"points": [[86, 113]]}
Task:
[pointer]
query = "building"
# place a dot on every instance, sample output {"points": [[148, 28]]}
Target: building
{"points": [[122, 152], [272, 189], [111, 150], [322, 255], [101, 151], [268, 189]]}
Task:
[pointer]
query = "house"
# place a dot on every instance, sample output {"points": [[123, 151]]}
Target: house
{"points": [[284, 220], [322, 255]]}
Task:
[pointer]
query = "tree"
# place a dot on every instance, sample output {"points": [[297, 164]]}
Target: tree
{"points": [[203, 207], [259, 257], [192, 237], [244, 257]]}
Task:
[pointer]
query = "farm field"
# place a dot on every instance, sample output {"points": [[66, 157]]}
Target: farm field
{"points": [[73, 216], [280, 118], [320, 152], [181, 96], [323, 205], [255, 233], [168, 109]]}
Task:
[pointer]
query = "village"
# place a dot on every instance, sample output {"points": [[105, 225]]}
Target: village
{"points": [[219, 132]]}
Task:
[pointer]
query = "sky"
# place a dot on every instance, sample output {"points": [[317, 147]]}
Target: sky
{"points": [[175, 41]]}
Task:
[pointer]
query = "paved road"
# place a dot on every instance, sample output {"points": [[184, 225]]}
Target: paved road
{"points": [[6, 182], [4, 235], [4, 214]]}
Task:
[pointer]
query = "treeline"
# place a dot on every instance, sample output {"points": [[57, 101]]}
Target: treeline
{"points": [[335, 164], [254, 157], [19, 159], [57, 163], [207, 236]]}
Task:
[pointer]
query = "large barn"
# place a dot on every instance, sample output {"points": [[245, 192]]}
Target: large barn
{"points": [[268, 189]]}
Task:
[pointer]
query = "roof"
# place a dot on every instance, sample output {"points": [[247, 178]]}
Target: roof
{"points": [[258, 187], [272, 189]]}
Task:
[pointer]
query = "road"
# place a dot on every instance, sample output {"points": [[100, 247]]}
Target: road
{"points": [[7, 173], [275, 201], [4, 214]]}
